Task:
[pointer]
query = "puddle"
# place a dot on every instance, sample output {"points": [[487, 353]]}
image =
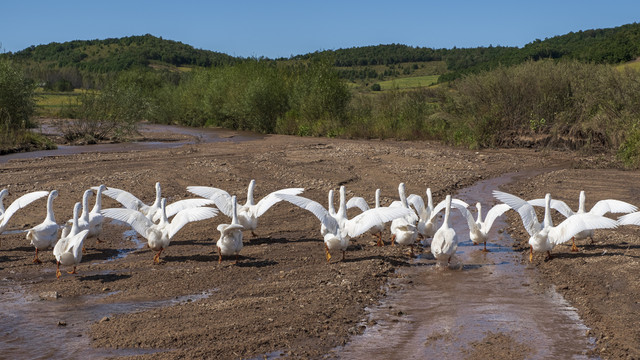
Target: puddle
{"points": [[198, 135], [30, 326], [128, 235], [443, 311]]}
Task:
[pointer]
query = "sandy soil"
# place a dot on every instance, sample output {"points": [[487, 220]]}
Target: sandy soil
{"points": [[282, 296]]}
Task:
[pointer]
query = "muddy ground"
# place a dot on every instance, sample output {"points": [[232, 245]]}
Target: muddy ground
{"points": [[283, 297]]}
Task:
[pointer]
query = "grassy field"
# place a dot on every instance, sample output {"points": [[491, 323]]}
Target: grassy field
{"points": [[409, 82], [49, 103]]}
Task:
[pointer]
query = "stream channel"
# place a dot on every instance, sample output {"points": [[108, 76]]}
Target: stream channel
{"points": [[439, 313]]}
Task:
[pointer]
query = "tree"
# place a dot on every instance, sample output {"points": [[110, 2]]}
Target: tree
{"points": [[17, 103]]}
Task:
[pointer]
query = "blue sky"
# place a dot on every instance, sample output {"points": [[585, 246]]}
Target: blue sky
{"points": [[283, 28]]}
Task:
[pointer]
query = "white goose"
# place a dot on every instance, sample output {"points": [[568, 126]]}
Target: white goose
{"points": [[230, 242], [159, 235], [445, 240], [404, 230], [361, 203], [340, 229], [83, 220], [95, 215], [332, 211], [428, 215], [17, 204], [479, 228], [44, 235], [68, 250], [248, 213], [601, 208], [129, 201], [544, 236]]}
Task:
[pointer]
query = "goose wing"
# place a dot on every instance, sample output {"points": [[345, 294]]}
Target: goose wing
{"points": [[558, 205], [492, 215], [417, 202], [315, 208], [180, 205], [221, 198], [612, 206], [268, 201], [358, 202], [19, 203], [74, 245], [137, 220], [188, 215], [526, 210], [372, 217], [577, 223], [630, 219], [127, 199]]}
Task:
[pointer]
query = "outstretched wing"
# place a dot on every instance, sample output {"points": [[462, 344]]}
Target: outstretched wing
{"points": [[558, 205], [577, 223], [492, 215], [125, 198], [134, 218], [19, 203], [358, 202], [417, 202], [612, 206], [526, 210], [315, 208], [188, 215], [372, 217], [180, 205], [268, 201], [221, 198]]}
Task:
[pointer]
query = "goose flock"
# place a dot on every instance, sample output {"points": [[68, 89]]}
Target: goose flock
{"points": [[410, 220]]}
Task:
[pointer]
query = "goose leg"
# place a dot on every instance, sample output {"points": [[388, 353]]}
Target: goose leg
{"points": [[411, 252], [549, 255], [485, 247], [219, 255], [36, 260], [58, 273], [237, 256], [326, 248], [393, 239], [380, 242], [72, 272], [254, 234], [531, 254], [344, 252], [574, 248], [156, 259]]}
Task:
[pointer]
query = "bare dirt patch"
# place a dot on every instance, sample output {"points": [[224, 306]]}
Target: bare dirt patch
{"points": [[283, 297]]}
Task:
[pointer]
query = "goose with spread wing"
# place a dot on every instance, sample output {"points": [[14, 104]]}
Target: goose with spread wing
{"points": [[130, 201], [428, 214], [602, 207], [159, 235], [44, 235], [248, 213], [404, 230], [479, 228], [340, 229], [445, 239], [16, 205], [230, 242], [545, 236]]}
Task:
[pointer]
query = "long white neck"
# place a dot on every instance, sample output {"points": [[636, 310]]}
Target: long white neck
{"points": [[85, 204], [547, 211], [163, 212], [377, 198], [252, 185], [479, 207], [330, 207], [403, 196], [98, 205], [3, 193], [447, 210], [74, 220], [156, 203], [50, 217], [429, 199], [581, 205], [342, 210], [234, 211]]}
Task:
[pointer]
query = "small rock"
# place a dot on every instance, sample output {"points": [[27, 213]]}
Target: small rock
{"points": [[62, 323], [106, 318], [105, 289], [49, 295]]}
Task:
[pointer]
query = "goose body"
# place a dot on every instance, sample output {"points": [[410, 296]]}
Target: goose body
{"points": [[248, 213], [600, 208], [83, 220], [95, 215], [340, 229], [230, 241], [479, 228], [445, 239], [16, 205], [68, 250], [404, 230], [44, 235], [159, 235], [545, 236]]}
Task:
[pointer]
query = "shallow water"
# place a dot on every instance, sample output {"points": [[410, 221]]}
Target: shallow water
{"points": [[198, 135], [443, 311], [32, 328]]}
